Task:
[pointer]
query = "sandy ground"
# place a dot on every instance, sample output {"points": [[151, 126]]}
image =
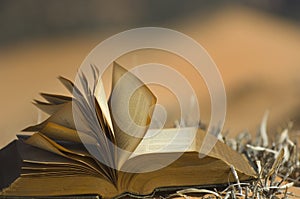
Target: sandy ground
{"points": [[257, 55]]}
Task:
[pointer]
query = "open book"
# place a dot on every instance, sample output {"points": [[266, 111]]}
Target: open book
{"points": [[84, 147]]}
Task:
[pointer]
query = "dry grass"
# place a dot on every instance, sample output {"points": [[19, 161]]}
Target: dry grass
{"points": [[276, 162]]}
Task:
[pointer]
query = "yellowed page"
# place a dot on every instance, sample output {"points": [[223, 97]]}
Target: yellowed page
{"points": [[48, 108], [56, 131], [43, 142], [167, 140], [63, 117], [102, 101], [131, 104]]}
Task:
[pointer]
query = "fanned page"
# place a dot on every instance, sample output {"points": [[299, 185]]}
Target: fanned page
{"points": [[90, 128], [61, 126], [40, 141], [102, 101], [131, 105]]}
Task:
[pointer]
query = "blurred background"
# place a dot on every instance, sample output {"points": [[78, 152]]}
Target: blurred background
{"points": [[255, 44]]}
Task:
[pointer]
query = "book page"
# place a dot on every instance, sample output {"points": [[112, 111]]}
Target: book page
{"points": [[131, 105], [56, 99], [58, 132], [63, 117], [47, 107], [40, 141], [167, 140], [102, 101]]}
